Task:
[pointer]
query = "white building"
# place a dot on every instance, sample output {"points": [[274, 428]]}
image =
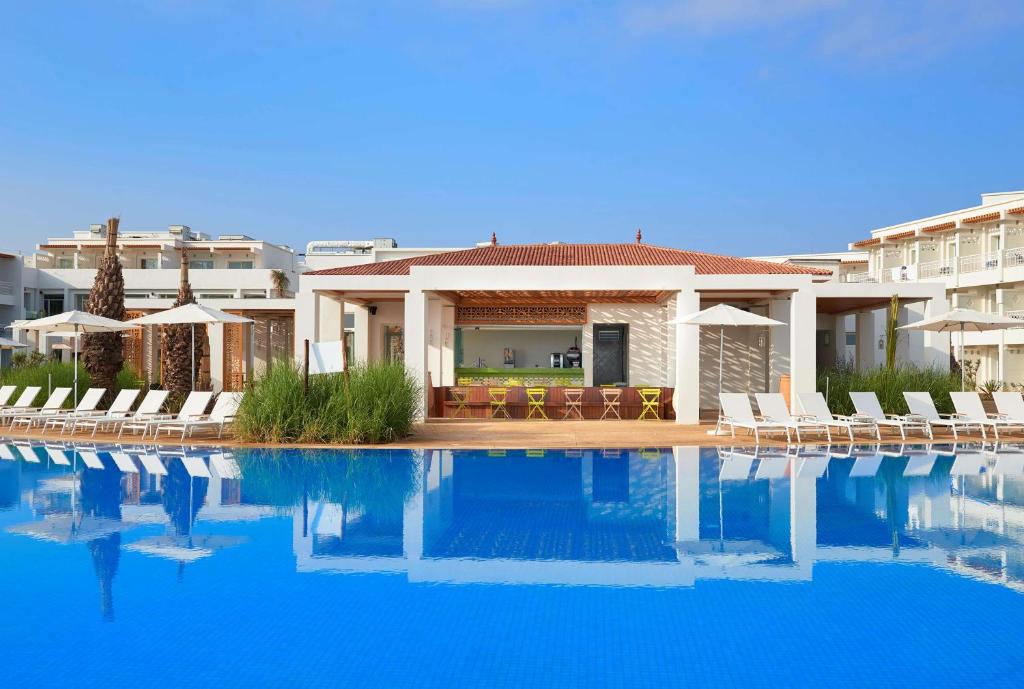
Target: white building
{"points": [[494, 314], [235, 273], [976, 254]]}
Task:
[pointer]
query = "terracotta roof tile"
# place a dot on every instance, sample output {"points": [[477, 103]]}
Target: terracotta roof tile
{"points": [[899, 235], [942, 227], [867, 242], [579, 255], [1016, 211], [985, 217]]}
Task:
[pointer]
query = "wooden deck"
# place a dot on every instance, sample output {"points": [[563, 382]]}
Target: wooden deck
{"points": [[508, 434]]}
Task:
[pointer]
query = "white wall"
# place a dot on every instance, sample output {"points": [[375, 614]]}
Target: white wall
{"points": [[648, 341], [533, 345]]}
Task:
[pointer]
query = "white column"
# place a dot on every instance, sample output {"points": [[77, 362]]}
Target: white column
{"points": [[307, 321], [416, 341], [802, 345], [778, 337], [332, 318], [865, 340], [803, 510], [1000, 309], [447, 345], [686, 397], [216, 346], [361, 336], [434, 340], [936, 345]]}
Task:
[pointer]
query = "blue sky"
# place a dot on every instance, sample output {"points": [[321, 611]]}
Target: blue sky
{"points": [[736, 126]]}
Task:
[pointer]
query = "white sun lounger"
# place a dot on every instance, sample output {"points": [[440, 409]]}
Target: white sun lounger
{"points": [[773, 408], [223, 413], [774, 467], [194, 406], [920, 463], [736, 413], [814, 405], [868, 406], [120, 409], [968, 464], [866, 466], [921, 404], [90, 400], [969, 405], [22, 405], [6, 393], [1009, 404], [735, 465], [148, 409], [51, 407]]}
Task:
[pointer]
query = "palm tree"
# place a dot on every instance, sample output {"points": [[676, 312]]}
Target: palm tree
{"points": [[176, 344], [891, 333], [279, 279], [103, 353]]}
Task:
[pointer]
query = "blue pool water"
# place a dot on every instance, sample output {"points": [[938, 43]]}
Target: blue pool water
{"points": [[811, 567]]}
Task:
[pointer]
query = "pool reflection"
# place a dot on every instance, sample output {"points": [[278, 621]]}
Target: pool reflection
{"points": [[664, 518]]}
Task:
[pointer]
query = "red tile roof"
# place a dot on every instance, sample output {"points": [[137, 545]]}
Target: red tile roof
{"points": [[985, 217], [941, 227], [867, 242], [579, 255], [1016, 211], [899, 235]]}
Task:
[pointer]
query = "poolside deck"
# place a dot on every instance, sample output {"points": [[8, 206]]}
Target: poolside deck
{"points": [[487, 434]]}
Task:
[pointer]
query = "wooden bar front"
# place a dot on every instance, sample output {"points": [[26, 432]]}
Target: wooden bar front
{"points": [[478, 404]]}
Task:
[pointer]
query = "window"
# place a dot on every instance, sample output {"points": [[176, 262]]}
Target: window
{"points": [[80, 301], [201, 264], [239, 265], [65, 263], [851, 339], [148, 263], [53, 304]]}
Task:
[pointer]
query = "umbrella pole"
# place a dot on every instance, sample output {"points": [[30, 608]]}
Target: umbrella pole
{"points": [[963, 371], [721, 349], [193, 352], [76, 366]]}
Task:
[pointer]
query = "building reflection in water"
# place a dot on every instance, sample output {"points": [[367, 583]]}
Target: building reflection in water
{"points": [[587, 517]]}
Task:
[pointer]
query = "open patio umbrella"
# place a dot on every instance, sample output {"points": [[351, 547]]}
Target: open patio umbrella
{"points": [[724, 316], [7, 343], [190, 314], [962, 320], [77, 322]]}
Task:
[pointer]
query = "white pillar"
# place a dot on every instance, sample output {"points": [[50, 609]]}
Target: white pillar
{"points": [[447, 345], [307, 321], [1000, 309], [416, 341], [361, 336], [686, 397], [216, 347], [803, 510], [778, 337], [332, 318], [865, 340], [802, 343], [434, 340]]}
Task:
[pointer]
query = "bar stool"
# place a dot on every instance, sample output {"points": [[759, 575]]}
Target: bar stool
{"points": [[649, 399], [535, 402], [573, 403], [611, 397], [460, 395], [499, 399]]}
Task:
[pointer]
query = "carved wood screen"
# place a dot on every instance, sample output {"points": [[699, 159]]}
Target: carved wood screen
{"points": [[234, 356], [567, 314], [133, 344]]}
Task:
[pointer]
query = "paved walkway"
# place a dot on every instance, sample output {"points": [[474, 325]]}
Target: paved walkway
{"points": [[468, 434]]}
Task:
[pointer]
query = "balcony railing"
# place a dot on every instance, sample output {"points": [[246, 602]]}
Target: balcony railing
{"points": [[1013, 258], [860, 277], [1019, 315], [934, 269], [979, 262], [6, 288]]}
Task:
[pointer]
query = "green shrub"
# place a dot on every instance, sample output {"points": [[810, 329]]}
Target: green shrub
{"points": [[58, 374], [377, 404], [889, 385]]}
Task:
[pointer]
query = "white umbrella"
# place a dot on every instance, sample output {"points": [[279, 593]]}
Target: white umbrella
{"points": [[724, 316], [961, 320], [79, 322], [190, 314], [7, 343]]}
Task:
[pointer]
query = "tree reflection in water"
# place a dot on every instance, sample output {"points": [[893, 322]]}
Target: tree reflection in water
{"points": [[101, 497]]}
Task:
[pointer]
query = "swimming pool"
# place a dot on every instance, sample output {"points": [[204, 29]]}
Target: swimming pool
{"points": [[817, 566]]}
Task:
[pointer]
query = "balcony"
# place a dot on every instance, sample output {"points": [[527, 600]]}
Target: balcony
{"points": [[1013, 258], [980, 262], [859, 277], [1019, 315]]}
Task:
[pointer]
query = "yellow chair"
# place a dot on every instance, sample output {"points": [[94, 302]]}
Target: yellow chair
{"points": [[573, 403], [460, 396], [536, 453], [514, 383], [612, 397], [499, 402], [650, 398], [535, 402]]}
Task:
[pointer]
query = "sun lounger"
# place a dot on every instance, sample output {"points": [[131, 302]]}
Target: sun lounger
{"points": [[814, 405], [737, 413], [735, 465], [90, 400], [921, 404], [148, 409], [868, 406], [51, 406], [969, 406], [119, 408], [194, 407], [6, 393], [1009, 404], [22, 405], [773, 408], [223, 413]]}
